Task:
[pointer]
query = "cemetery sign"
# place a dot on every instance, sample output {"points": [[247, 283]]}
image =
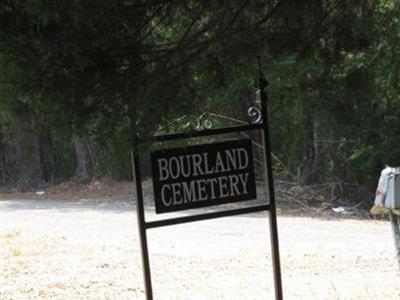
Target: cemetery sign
{"points": [[209, 174], [203, 175]]}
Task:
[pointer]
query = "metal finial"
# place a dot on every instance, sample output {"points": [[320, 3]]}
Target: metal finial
{"points": [[262, 81]]}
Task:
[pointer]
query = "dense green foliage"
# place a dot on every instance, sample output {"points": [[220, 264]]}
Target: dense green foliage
{"points": [[77, 78]]}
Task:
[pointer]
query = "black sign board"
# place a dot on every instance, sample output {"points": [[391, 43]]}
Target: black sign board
{"points": [[203, 175]]}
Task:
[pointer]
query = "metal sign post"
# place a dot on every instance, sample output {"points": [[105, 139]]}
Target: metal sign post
{"points": [[214, 174], [273, 226]]}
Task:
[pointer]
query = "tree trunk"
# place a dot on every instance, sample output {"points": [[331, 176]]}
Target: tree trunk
{"points": [[3, 163], [43, 152], [311, 150], [395, 220], [46, 155], [27, 152], [37, 159], [83, 170]]}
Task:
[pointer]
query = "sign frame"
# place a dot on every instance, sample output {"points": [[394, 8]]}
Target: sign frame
{"points": [[261, 123]]}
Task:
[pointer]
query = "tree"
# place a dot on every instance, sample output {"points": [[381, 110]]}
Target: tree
{"points": [[93, 72]]}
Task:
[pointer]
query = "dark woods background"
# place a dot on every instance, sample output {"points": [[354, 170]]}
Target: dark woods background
{"points": [[78, 77]]}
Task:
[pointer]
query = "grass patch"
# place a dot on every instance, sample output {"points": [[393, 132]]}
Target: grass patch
{"points": [[10, 234], [15, 251], [8, 237]]}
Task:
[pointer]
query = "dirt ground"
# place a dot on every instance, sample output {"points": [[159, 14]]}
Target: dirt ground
{"points": [[82, 243]]}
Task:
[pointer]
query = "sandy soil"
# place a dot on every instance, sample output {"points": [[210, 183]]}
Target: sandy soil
{"points": [[81, 249]]}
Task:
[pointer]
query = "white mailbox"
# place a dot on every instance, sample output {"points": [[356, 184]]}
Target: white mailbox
{"points": [[388, 191]]}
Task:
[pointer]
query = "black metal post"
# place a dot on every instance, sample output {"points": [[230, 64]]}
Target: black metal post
{"points": [[395, 220], [262, 84], [141, 223]]}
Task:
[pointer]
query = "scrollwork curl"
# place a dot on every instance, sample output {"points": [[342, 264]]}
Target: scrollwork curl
{"points": [[255, 114], [200, 123], [205, 122]]}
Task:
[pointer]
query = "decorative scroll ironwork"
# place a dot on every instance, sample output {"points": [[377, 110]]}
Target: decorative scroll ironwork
{"points": [[206, 121], [201, 122], [255, 114], [192, 122]]}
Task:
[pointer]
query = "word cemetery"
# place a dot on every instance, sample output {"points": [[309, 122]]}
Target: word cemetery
{"points": [[204, 175]]}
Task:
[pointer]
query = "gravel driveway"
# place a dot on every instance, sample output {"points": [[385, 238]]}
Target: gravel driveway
{"points": [[89, 250]]}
